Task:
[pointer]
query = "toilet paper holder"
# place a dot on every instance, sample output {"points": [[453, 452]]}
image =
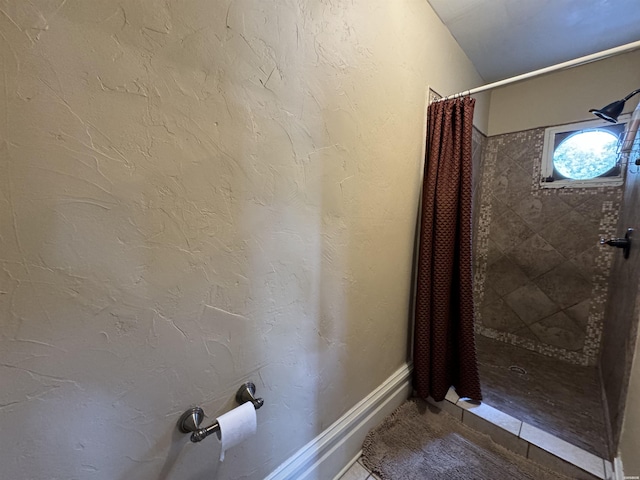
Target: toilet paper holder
{"points": [[190, 420]]}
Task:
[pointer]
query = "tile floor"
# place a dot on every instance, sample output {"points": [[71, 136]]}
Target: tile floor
{"points": [[357, 471], [554, 396]]}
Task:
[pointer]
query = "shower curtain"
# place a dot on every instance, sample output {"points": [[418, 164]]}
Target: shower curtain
{"points": [[444, 343]]}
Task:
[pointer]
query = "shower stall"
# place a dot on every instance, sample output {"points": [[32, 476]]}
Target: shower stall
{"points": [[555, 326]]}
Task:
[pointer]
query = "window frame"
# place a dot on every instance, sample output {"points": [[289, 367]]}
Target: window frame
{"points": [[572, 128]]}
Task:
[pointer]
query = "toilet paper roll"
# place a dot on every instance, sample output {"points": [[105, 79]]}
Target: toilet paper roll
{"points": [[236, 426]]}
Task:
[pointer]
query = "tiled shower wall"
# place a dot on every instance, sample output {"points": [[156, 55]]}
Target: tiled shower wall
{"points": [[541, 276], [623, 311]]}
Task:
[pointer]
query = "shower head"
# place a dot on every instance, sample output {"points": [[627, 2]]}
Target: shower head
{"points": [[611, 112]]}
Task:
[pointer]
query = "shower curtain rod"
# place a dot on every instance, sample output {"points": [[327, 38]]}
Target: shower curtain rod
{"points": [[553, 68]]}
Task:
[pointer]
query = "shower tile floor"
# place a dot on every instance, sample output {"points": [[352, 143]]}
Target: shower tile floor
{"points": [[558, 397]]}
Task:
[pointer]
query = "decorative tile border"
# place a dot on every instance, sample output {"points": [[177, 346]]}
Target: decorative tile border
{"points": [[481, 235]]}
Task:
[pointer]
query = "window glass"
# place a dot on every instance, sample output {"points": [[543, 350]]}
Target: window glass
{"points": [[586, 154]]}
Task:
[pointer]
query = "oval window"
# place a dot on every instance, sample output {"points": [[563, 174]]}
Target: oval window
{"points": [[586, 154]]}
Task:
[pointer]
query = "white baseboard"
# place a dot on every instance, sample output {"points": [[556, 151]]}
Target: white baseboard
{"points": [[348, 465], [330, 452]]}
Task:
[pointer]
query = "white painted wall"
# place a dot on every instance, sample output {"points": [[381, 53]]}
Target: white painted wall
{"points": [[565, 96], [195, 194]]}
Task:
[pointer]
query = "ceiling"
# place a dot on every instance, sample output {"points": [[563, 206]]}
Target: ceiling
{"points": [[504, 38]]}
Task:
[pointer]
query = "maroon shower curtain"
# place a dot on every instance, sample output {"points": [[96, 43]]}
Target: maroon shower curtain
{"points": [[444, 342]]}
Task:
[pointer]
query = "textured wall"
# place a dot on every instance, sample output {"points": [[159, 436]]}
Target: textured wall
{"points": [[541, 276], [194, 194]]}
